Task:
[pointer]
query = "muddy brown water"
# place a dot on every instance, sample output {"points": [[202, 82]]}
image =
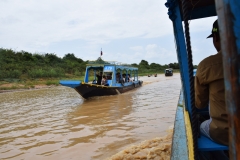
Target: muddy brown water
{"points": [[56, 123]]}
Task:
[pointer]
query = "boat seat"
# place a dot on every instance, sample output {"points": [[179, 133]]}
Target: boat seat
{"points": [[206, 144]]}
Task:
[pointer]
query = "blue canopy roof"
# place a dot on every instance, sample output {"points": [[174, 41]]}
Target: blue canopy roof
{"points": [[197, 8]]}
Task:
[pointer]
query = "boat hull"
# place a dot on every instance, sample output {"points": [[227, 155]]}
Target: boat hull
{"points": [[168, 74], [91, 90]]}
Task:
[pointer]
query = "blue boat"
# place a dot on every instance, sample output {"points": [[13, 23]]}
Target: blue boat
{"points": [[187, 143], [118, 78]]}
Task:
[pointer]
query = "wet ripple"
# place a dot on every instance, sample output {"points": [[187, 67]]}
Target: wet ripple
{"points": [[57, 123]]}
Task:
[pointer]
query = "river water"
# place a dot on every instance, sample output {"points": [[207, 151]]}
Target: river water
{"points": [[56, 123]]}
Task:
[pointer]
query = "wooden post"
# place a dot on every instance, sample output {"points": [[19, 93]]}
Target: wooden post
{"points": [[229, 24]]}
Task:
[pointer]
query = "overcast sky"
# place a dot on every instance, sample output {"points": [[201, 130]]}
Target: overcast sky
{"points": [[128, 31]]}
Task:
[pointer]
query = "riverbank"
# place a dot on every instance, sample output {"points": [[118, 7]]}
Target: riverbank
{"points": [[27, 85], [10, 85]]}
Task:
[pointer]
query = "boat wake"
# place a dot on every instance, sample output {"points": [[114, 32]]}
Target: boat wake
{"points": [[156, 148]]}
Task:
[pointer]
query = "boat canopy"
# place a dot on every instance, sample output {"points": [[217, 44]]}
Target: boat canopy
{"points": [[99, 64], [196, 8], [126, 68]]}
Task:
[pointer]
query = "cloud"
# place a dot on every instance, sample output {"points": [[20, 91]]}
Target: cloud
{"points": [[204, 24], [43, 22], [137, 48], [151, 52], [129, 31]]}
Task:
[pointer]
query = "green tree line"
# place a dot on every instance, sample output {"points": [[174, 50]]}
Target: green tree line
{"points": [[22, 64], [146, 68]]}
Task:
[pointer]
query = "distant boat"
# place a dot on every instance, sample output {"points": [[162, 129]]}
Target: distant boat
{"points": [[119, 79], [169, 72]]}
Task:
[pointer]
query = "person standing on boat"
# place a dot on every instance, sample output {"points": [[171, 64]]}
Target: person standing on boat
{"points": [[209, 89], [99, 78]]}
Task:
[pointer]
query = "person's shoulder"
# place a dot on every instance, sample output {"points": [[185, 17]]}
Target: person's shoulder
{"points": [[211, 60]]}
